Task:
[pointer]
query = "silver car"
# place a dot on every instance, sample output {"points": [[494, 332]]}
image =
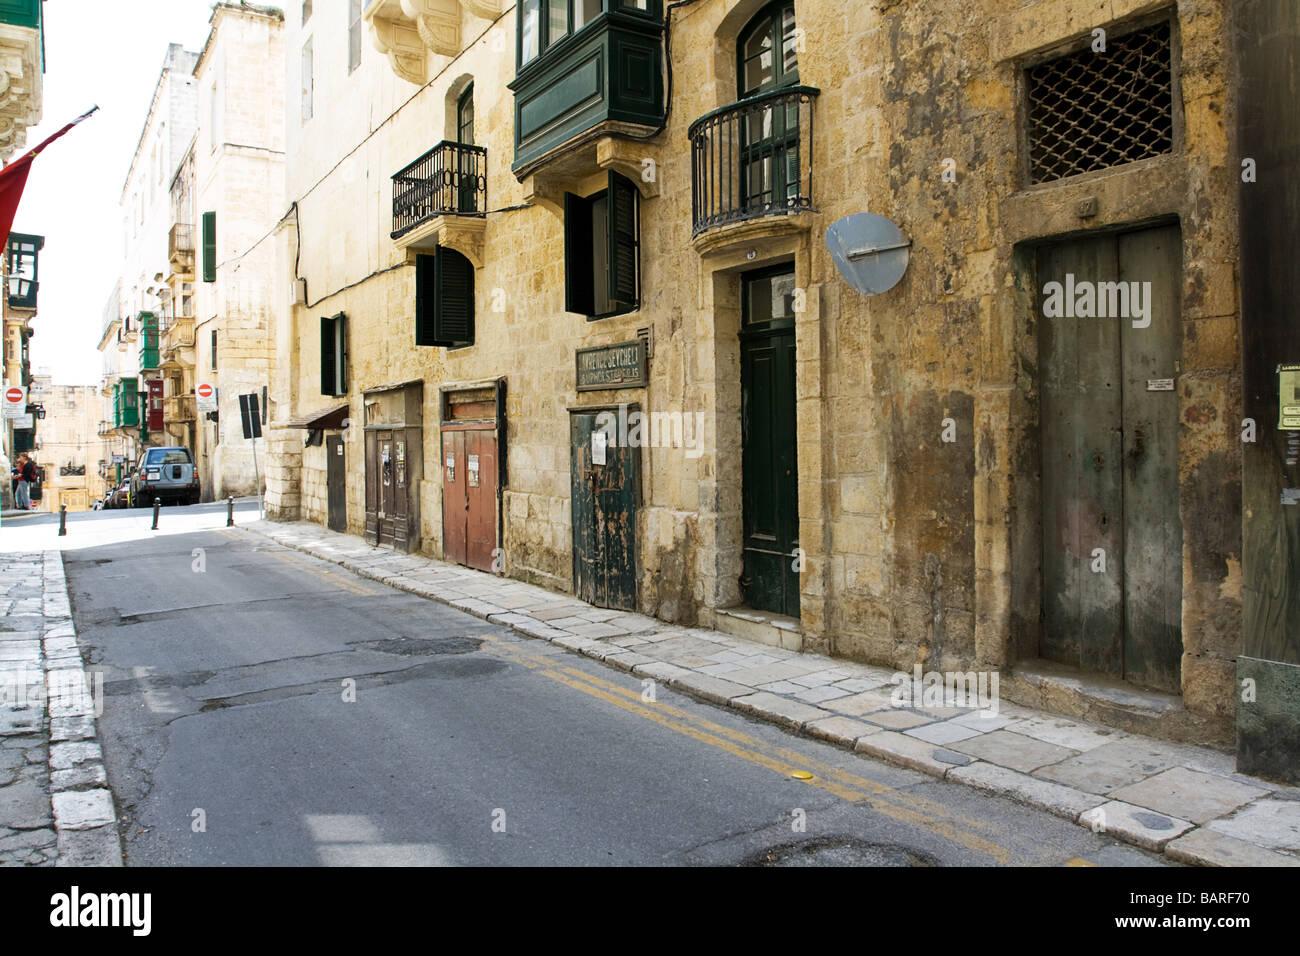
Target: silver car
{"points": [[167, 473]]}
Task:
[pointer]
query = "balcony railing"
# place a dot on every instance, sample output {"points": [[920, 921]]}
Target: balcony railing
{"points": [[179, 334], [180, 244], [22, 292], [179, 408], [450, 179], [753, 158]]}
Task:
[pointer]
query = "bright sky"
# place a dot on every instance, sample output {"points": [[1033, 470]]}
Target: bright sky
{"points": [[110, 53]]}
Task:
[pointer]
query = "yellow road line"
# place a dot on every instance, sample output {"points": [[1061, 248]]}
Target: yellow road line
{"points": [[912, 809], [338, 580]]}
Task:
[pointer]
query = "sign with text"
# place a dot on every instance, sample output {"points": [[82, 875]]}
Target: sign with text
{"points": [[205, 397], [612, 366], [15, 401]]}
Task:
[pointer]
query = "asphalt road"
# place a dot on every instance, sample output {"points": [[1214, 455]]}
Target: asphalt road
{"points": [[263, 707]]}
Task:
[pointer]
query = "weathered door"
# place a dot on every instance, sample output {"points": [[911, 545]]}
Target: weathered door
{"points": [[770, 478], [336, 473], [469, 496], [1112, 534], [604, 516], [386, 487]]}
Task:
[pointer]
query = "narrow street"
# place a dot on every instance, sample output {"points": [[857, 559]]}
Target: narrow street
{"points": [[229, 738]]}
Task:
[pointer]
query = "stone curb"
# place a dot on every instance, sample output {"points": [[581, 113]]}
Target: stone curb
{"points": [[85, 820], [1178, 839]]}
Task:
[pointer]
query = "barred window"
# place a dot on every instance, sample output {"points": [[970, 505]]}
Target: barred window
{"points": [[1094, 110]]}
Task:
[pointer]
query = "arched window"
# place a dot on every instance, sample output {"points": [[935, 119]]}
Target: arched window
{"points": [[767, 61]]}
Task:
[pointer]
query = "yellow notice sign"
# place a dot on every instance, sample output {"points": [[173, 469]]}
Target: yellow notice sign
{"points": [[1288, 395]]}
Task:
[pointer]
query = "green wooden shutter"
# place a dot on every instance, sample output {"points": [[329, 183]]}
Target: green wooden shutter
{"points": [[425, 297], [624, 244], [579, 279], [209, 247], [328, 357], [453, 309]]}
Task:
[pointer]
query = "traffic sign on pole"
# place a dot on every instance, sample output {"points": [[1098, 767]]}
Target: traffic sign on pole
{"points": [[15, 401], [205, 396]]}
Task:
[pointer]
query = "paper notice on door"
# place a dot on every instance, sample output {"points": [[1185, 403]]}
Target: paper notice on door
{"points": [[1291, 496], [451, 468], [599, 442], [472, 471]]}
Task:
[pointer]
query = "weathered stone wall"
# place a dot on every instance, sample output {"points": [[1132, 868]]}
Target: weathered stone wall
{"points": [[918, 550]]}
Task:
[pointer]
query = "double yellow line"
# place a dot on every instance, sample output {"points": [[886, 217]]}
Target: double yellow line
{"points": [[910, 808], [341, 581]]}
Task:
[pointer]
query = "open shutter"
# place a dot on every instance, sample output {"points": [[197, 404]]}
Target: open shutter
{"points": [[453, 307], [328, 357], [209, 247], [425, 296], [579, 278], [624, 244]]}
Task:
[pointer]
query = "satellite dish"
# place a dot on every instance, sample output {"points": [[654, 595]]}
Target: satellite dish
{"points": [[869, 250]]}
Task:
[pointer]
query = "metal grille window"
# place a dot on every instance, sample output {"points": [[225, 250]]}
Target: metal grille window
{"points": [[1094, 110]]}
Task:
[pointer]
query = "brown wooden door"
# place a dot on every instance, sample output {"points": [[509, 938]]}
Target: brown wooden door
{"points": [[604, 502], [400, 504], [469, 496], [454, 525], [1110, 462], [481, 503], [385, 485], [372, 487]]}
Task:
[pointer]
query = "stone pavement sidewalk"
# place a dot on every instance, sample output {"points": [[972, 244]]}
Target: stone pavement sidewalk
{"points": [[55, 808], [1185, 801]]}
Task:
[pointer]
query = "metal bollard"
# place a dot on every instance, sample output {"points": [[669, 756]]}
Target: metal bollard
{"points": [[230, 512], [157, 504], [63, 520]]}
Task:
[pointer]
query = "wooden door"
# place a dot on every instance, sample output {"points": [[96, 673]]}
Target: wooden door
{"points": [[1112, 534], [481, 498], [604, 498], [400, 505], [385, 486], [372, 487], [770, 476], [336, 473], [454, 526]]}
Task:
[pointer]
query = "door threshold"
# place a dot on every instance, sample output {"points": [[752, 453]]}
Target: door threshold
{"points": [[765, 627]]}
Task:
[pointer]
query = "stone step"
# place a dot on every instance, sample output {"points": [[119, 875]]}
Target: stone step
{"points": [[775, 630]]}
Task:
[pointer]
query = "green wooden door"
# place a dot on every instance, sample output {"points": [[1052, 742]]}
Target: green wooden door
{"points": [[604, 500], [1112, 534], [770, 477]]}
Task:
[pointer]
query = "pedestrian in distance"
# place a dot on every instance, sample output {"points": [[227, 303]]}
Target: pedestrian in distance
{"points": [[22, 488]]}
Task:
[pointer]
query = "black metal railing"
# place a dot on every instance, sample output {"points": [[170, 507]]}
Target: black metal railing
{"points": [[22, 292], [450, 179], [753, 158]]}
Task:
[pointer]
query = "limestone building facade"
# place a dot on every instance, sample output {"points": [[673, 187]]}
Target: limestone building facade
{"points": [[559, 295]]}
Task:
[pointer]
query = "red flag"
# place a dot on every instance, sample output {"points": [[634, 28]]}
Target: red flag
{"points": [[13, 178]]}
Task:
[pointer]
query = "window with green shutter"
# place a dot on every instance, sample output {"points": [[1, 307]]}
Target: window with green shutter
{"points": [[333, 355], [602, 251], [209, 247], [444, 299]]}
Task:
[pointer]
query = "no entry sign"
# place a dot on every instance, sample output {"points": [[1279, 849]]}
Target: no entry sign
{"points": [[15, 401], [206, 397]]}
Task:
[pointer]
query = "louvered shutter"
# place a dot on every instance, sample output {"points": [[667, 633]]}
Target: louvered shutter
{"points": [[328, 357], [209, 247], [624, 244], [453, 307], [425, 297], [579, 277]]}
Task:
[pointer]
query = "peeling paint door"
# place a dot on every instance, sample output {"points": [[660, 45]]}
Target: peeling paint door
{"points": [[1112, 533], [336, 475], [469, 496], [385, 473], [770, 476], [604, 496]]}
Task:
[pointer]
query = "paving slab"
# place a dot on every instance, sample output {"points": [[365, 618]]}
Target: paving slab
{"points": [[1133, 824], [782, 710], [1196, 796], [1202, 847], [1112, 765], [83, 809], [898, 718], [841, 730], [714, 689], [1270, 823], [943, 732], [910, 752], [1056, 799], [1008, 749]]}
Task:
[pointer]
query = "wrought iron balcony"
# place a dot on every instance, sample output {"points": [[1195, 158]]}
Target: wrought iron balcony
{"points": [[180, 246], [448, 180], [753, 158], [22, 292]]}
